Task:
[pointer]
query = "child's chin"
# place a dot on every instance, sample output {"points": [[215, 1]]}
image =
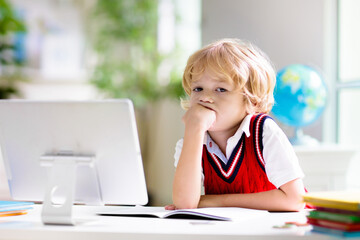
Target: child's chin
{"points": [[212, 129]]}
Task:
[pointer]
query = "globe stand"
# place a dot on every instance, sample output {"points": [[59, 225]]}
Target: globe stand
{"points": [[301, 139]]}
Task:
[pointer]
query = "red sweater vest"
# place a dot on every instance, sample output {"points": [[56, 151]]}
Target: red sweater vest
{"points": [[245, 171]]}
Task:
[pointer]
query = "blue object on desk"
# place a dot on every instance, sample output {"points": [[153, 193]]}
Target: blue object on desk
{"points": [[14, 205]]}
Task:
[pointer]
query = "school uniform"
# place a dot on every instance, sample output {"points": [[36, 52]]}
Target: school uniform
{"points": [[259, 157]]}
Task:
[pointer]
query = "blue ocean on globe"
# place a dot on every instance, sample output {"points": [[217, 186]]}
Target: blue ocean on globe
{"points": [[300, 95]]}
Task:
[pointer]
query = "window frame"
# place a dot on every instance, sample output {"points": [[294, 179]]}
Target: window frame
{"points": [[339, 84]]}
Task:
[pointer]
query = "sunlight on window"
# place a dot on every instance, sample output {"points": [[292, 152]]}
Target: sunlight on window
{"points": [[178, 34], [349, 38]]}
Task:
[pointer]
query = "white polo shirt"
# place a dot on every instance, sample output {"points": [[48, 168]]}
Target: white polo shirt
{"points": [[281, 162]]}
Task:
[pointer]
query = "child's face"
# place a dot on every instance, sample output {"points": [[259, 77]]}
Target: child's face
{"points": [[220, 96]]}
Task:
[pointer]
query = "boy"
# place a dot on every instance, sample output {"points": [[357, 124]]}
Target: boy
{"points": [[240, 155]]}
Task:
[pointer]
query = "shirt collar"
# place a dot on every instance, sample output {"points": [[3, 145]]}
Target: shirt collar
{"points": [[244, 127], [212, 147]]}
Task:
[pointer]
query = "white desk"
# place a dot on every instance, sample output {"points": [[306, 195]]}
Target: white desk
{"points": [[100, 227]]}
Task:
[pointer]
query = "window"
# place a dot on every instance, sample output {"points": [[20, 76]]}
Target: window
{"points": [[348, 75]]}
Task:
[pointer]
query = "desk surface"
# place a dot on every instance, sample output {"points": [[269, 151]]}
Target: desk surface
{"points": [[92, 226]]}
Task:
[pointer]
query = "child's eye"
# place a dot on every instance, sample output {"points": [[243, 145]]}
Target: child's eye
{"points": [[221, 90], [197, 89]]}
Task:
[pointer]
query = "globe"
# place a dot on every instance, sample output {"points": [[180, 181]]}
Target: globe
{"points": [[300, 96]]}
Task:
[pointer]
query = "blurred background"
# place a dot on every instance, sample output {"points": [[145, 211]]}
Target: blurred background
{"points": [[137, 49]]}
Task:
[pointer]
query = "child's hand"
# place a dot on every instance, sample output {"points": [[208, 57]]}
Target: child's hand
{"points": [[199, 117], [170, 207]]}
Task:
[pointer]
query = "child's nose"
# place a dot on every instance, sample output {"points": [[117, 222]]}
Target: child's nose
{"points": [[206, 97]]}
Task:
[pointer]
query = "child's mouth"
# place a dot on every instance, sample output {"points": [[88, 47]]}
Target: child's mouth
{"points": [[209, 108]]}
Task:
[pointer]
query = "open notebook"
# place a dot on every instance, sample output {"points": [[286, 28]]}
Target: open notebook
{"points": [[219, 214]]}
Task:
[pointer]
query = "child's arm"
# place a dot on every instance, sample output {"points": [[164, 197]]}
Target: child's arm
{"points": [[187, 179], [287, 198]]}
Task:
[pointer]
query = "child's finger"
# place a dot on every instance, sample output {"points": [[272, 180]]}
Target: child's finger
{"points": [[170, 207]]}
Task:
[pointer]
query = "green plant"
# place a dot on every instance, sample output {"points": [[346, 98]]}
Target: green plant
{"points": [[124, 34], [9, 64]]}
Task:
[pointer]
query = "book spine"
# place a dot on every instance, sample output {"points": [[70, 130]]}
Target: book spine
{"points": [[334, 225], [334, 216], [338, 211], [333, 204]]}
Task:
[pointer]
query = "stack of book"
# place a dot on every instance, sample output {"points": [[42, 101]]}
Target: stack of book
{"points": [[335, 212], [13, 208]]}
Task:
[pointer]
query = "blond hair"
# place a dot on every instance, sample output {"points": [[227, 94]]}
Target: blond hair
{"points": [[238, 62]]}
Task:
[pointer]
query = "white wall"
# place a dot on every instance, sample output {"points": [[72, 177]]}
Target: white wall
{"points": [[165, 128], [289, 31]]}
